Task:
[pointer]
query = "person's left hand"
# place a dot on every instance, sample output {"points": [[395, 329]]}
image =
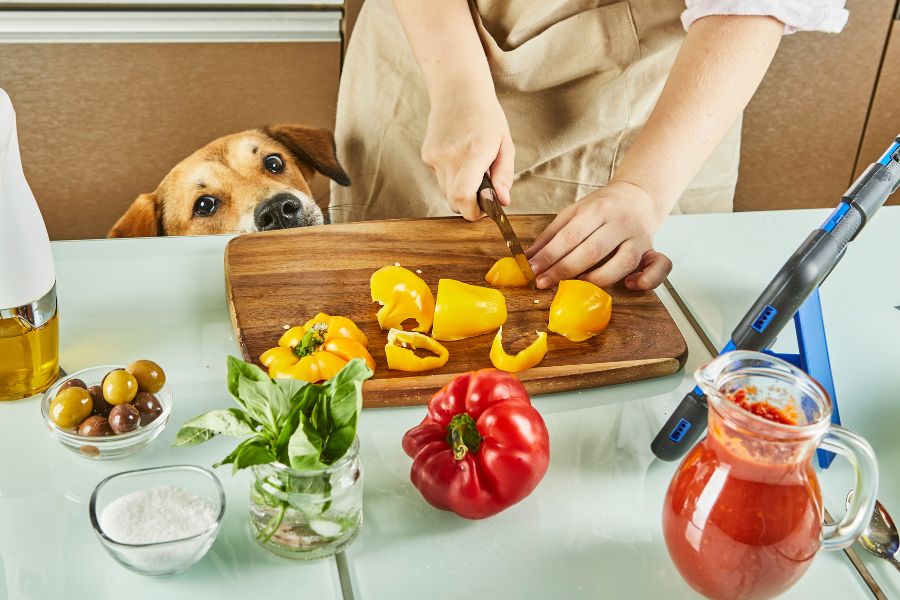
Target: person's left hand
{"points": [[614, 226]]}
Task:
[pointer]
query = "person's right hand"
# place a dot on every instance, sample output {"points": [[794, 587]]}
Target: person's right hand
{"points": [[468, 136]]}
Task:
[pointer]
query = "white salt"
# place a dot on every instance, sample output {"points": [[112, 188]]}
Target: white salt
{"points": [[158, 514]]}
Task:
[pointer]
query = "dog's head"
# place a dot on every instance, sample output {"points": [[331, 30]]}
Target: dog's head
{"points": [[250, 181]]}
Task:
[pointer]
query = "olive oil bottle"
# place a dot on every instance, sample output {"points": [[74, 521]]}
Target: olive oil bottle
{"points": [[29, 352], [29, 327]]}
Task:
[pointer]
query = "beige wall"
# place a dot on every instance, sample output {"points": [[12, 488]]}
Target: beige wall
{"points": [[803, 129], [884, 117]]}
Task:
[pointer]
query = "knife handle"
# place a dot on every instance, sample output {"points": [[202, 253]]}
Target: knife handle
{"points": [[485, 185]]}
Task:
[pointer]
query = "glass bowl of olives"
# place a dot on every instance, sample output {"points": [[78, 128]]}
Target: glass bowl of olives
{"points": [[110, 411]]}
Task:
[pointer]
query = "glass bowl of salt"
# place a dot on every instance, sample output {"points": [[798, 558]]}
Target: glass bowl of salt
{"points": [[158, 521]]}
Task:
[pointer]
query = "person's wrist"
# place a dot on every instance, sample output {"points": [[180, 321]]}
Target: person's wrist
{"points": [[453, 88], [659, 205]]}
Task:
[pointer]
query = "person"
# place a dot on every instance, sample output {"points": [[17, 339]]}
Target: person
{"points": [[610, 115]]}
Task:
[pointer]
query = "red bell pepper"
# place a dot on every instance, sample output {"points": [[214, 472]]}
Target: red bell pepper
{"points": [[482, 446]]}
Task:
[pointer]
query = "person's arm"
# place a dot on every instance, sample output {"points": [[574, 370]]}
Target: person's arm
{"points": [[467, 134], [721, 63]]}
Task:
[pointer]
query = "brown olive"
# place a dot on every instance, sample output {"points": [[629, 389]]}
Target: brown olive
{"points": [[124, 418], [149, 407], [119, 387], [70, 407], [149, 375], [95, 426], [101, 406], [73, 383]]}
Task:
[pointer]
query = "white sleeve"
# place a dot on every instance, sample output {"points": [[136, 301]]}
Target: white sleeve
{"points": [[797, 15]]}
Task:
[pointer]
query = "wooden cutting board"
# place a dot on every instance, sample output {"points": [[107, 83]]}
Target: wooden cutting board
{"points": [[285, 277]]}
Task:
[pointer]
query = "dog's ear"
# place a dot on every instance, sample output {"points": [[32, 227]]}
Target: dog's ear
{"points": [[140, 220], [313, 148]]}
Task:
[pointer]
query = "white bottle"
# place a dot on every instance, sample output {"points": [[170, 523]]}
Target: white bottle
{"points": [[29, 338]]}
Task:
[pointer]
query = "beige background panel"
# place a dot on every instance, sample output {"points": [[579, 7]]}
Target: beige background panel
{"points": [[884, 118], [101, 123], [803, 128]]}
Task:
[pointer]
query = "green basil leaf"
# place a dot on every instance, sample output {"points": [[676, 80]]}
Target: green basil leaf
{"points": [[337, 417], [283, 401], [346, 391], [287, 429], [253, 451], [231, 422], [304, 449], [252, 388], [338, 443]]}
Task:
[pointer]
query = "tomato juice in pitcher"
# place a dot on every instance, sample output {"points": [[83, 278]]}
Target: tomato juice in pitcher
{"points": [[742, 517]]}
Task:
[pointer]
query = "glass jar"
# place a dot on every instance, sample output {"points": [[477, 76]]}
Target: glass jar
{"points": [[307, 515], [742, 517]]}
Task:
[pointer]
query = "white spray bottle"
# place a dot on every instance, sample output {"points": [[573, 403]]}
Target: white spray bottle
{"points": [[29, 332]]}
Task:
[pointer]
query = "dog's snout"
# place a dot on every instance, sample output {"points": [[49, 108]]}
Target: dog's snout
{"points": [[281, 211]]}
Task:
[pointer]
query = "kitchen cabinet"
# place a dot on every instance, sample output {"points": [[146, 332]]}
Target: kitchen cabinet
{"points": [[109, 100], [884, 117], [803, 128]]}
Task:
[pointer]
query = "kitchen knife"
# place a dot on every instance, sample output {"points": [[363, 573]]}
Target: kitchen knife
{"points": [[487, 200]]}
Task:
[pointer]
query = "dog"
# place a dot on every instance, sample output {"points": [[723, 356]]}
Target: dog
{"points": [[256, 180]]}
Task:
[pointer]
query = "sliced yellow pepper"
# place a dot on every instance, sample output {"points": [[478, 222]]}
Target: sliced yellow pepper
{"points": [[402, 295], [506, 273], [579, 310], [525, 359], [464, 310], [318, 350], [400, 354]]}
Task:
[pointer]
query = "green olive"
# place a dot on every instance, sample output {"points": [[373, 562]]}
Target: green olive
{"points": [[70, 407], [149, 375], [119, 387]]}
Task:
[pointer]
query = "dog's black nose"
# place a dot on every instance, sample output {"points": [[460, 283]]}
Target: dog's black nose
{"points": [[281, 211]]}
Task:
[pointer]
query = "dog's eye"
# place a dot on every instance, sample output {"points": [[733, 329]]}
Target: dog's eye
{"points": [[274, 163], [205, 206]]}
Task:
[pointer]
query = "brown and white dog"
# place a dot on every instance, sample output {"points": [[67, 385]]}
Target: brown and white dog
{"points": [[255, 180]]}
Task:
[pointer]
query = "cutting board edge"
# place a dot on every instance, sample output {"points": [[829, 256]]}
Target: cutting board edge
{"points": [[377, 393], [229, 297]]}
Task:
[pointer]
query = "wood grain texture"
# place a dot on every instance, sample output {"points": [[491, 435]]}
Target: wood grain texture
{"points": [[884, 117], [803, 128], [284, 278], [100, 124]]}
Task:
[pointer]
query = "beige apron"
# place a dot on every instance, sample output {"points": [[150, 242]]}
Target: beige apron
{"points": [[577, 79]]}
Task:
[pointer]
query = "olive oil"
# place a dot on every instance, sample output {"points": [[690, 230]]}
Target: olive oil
{"points": [[29, 357]]}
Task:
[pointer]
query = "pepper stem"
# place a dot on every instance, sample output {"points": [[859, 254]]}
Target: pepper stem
{"points": [[312, 340], [463, 436]]}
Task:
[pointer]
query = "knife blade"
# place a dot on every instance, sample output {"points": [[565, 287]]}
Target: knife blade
{"points": [[487, 200]]}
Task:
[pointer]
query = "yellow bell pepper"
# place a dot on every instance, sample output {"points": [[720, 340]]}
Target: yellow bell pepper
{"points": [[579, 310], [525, 359], [464, 310], [318, 350], [506, 273], [400, 354], [402, 295]]}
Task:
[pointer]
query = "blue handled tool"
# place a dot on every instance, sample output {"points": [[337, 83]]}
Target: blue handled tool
{"points": [[794, 294]]}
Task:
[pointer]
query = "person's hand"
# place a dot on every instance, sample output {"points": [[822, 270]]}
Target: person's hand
{"points": [[602, 238], [468, 136]]}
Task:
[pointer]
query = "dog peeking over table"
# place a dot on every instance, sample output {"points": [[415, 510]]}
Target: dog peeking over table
{"points": [[255, 180]]}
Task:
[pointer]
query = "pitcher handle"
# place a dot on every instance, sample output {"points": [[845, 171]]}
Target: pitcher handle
{"points": [[840, 535]]}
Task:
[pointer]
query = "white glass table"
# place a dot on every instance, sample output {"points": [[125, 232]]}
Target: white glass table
{"points": [[591, 529]]}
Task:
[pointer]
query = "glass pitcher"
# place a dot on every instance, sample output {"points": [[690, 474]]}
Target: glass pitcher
{"points": [[743, 514]]}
